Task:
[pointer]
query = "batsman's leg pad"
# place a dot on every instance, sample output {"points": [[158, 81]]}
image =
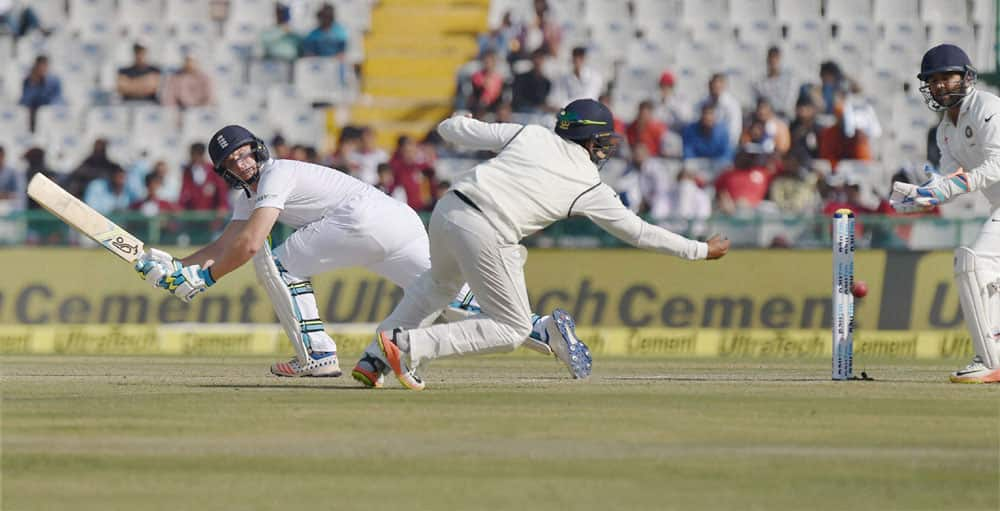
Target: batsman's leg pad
{"points": [[294, 303], [978, 281]]}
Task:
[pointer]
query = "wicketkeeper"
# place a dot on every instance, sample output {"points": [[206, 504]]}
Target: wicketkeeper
{"points": [[969, 139]]}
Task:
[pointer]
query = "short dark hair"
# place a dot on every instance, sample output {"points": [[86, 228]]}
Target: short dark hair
{"points": [[151, 177], [197, 148], [774, 50], [580, 51]]}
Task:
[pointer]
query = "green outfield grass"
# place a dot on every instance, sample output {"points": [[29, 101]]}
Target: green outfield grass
{"points": [[89, 433]]}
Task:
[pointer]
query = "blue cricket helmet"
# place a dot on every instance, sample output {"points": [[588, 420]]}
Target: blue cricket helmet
{"points": [[227, 140], [586, 120], [946, 58]]}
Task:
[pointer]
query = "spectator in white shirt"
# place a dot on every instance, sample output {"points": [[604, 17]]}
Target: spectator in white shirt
{"points": [[368, 156], [777, 86], [581, 83], [727, 109]]}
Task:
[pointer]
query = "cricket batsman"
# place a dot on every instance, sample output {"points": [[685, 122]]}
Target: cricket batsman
{"points": [[339, 222], [538, 177], [969, 139]]}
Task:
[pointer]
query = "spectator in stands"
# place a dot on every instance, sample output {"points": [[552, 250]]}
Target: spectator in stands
{"points": [[778, 86], [793, 190], [12, 184], [19, 21], [581, 82], [108, 194], [280, 42], [620, 127], [531, 88], [706, 138], [669, 109], [413, 174], [501, 39], [743, 187], [40, 88], [487, 86], [387, 183], [859, 114], [201, 188], [97, 165], [834, 142], [685, 205], [543, 33], [189, 87], [141, 80], [329, 39], [152, 204], [767, 133], [804, 131], [832, 82], [345, 155], [369, 156], [281, 149], [646, 129], [727, 108]]}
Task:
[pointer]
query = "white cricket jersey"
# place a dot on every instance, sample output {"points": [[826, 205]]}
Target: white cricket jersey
{"points": [[974, 144], [302, 191], [538, 178]]}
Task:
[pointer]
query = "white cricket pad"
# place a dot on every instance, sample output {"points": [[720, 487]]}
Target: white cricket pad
{"points": [[294, 303], [978, 282]]}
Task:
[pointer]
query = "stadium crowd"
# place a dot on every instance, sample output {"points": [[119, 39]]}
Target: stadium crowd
{"points": [[788, 147]]}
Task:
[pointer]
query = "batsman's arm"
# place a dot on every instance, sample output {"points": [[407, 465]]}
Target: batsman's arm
{"points": [[983, 176], [601, 205], [213, 251], [250, 238]]}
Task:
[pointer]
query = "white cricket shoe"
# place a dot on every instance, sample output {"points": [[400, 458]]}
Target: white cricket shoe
{"points": [[976, 372], [566, 347], [320, 365]]}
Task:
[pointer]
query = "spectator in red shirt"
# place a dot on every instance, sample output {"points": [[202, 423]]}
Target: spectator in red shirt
{"points": [[152, 205], [646, 129], [487, 85], [744, 186], [414, 174], [201, 188], [835, 145]]}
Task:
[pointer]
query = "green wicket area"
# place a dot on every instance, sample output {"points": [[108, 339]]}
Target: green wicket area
{"points": [[500, 432]]}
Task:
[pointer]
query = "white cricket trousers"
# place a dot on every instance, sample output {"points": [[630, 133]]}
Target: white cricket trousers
{"points": [[464, 247], [377, 233]]}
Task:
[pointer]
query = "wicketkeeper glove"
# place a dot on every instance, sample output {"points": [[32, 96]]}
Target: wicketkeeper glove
{"points": [[187, 282], [907, 198], [155, 264]]}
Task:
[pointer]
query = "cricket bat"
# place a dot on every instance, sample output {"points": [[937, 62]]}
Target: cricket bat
{"points": [[84, 218]]}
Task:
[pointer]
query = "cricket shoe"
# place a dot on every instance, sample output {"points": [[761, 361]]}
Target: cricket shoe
{"points": [[322, 364], [976, 372], [391, 355], [370, 371], [457, 311], [565, 345]]}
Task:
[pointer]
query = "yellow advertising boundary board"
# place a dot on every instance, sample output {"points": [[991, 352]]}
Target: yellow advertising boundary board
{"points": [[266, 339]]}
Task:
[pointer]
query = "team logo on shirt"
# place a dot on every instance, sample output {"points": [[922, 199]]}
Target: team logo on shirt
{"points": [[968, 132]]}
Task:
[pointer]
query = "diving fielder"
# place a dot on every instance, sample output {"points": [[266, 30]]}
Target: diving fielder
{"points": [[969, 139], [339, 221], [538, 177]]}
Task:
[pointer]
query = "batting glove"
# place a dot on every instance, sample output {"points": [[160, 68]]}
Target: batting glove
{"points": [[187, 282], [152, 266]]}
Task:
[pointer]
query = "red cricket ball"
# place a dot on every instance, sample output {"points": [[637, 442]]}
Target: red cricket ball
{"points": [[860, 289]]}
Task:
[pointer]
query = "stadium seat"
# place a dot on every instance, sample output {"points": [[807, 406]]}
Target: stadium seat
{"points": [[664, 32], [304, 126], [903, 60], [51, 13], [763, 33], [13, 119], [860, 32], [250, 16], [254, 120], [85, 12], [802, 58], [101, 31], [844, 11], [886, 11], [797, 10], [265, 73], [281, 98], [852, 58], [177, 11], [696, 12], [633, 85], [650, 15], [646, 54], [497, 9], [743, 63], [79, 79], [599, 13], [354, 14], [614, 36], [944, 11], [198, 124], [815, 31], [713, 31], [958, 34], [108, 122], [322, 79], [135, 15]]}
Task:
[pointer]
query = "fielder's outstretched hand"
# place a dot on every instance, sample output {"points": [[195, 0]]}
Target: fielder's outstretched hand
{"points": [[155, 264], [718, 246], [188, 281]]}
